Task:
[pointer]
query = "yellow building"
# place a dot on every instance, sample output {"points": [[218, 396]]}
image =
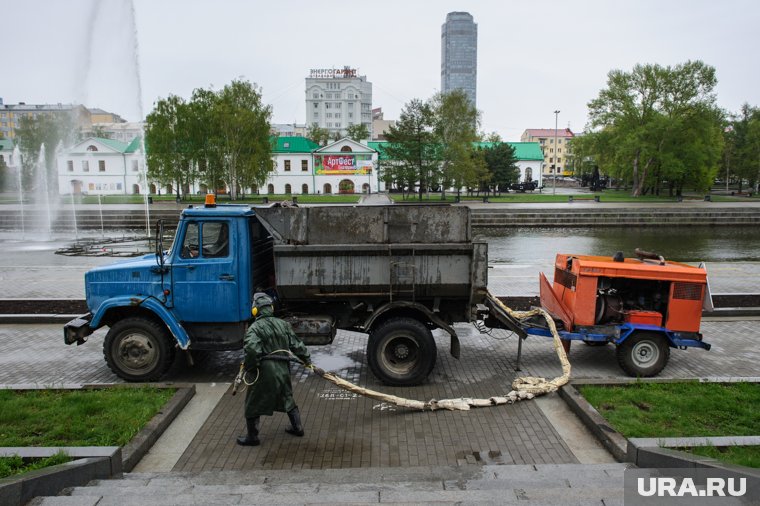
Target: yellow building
{"points": [[11, 115], [555, 157]]}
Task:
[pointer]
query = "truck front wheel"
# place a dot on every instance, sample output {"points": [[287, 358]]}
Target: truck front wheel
{"points": [[138, 349], [401, 352], [643, 354]]}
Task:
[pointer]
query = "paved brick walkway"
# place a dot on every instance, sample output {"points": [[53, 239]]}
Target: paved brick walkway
{"points": [[348, 431]]}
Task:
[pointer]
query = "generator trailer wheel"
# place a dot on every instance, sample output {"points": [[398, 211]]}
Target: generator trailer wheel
{"points": [[643, 354]]}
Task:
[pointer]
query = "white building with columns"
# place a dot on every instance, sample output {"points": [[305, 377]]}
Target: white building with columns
{"points": [[98, 166], [302, 167]]}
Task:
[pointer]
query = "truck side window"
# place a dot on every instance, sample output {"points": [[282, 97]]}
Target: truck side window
{"points": [[216, 239], [190, 248]]}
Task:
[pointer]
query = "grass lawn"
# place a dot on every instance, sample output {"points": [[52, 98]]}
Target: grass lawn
{"points": [[679, 409], [16, 465], [108, 417], [684, 410], [221, 199], [748, 456]]}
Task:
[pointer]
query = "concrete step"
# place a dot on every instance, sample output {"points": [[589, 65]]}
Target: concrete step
{"points": [[468, 484]]}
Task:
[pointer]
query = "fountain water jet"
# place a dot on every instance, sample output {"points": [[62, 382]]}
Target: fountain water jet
{"points": [[17, 157], [42, 194]]}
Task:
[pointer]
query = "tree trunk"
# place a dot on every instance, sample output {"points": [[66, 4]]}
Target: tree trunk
{"points": [[636, 175]]}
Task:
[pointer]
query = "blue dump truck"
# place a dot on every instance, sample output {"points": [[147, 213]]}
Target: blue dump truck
{"points": [[393, 272]]}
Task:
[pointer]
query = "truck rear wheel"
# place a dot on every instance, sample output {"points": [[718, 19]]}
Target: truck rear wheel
{"points": [[643, 354], [138, 349], [401, 352]]}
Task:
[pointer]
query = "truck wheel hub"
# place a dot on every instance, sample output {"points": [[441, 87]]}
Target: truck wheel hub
{"points": [[401, 351], [136, 350]]}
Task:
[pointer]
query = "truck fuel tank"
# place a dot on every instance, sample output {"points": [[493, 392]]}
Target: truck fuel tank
{"points": [[313, 329]]}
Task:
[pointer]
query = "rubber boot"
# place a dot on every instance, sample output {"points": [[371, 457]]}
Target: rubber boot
{"points": [[252, 438], [295, 421]]}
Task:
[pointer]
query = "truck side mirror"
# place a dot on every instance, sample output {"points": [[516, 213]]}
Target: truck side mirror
{"points": [[160, 243]]}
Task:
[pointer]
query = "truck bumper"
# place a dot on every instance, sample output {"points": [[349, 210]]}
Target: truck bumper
{"points": [[77, 330]]}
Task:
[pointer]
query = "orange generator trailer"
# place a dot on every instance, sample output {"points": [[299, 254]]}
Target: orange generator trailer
{"points": [[643, 305]]}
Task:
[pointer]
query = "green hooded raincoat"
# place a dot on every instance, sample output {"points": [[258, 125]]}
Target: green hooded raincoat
{"points": [[273, 390]]}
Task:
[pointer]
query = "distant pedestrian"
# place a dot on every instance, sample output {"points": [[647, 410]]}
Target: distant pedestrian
{"points": [[267, 345]]}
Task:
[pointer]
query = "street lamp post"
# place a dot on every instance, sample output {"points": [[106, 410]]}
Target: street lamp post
{"points": [[554, 186]]}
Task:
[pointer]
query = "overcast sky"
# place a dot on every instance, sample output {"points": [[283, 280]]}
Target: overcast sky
{"points": [[533, 56]]}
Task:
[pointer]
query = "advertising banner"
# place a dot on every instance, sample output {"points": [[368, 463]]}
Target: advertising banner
{"points": [[342, 164]]}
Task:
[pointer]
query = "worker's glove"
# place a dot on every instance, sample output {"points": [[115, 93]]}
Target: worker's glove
{"points": [[315, 369]]}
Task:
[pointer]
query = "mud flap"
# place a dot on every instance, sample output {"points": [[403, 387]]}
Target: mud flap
{"points": [[455, 349]]}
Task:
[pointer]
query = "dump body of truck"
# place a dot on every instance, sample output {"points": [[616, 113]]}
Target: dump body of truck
{"points": [[394, 272]]}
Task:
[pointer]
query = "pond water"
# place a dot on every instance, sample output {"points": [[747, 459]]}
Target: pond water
{"points": [[683, 244]]}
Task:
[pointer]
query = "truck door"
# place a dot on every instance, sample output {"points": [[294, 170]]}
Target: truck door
{"points": [[205, 287]]}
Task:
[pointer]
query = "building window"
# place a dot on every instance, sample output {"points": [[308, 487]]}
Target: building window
{"points": [[287, 189], [304, 189], [70, 166], [338, 105], [559, 141], [92, 147], [337, 115], [270, 189], [287, 165], [351, 105], [346, 149], [316, 105], [135, 166], [315, 95], [85, 166], [559, 150], [350, 115], [329, 115], [304, 165], [101, 165], [328, 105]]}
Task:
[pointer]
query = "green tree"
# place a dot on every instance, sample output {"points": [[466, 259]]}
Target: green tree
{"points": [[456, 122], [204, 144], [357, 132], [50, 130], [243, 125], [167, 141], [641, 113], [318, 134], [742, 140], [501, 161], [413, 149]]}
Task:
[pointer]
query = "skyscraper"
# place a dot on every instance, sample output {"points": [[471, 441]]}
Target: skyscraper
{"points": [[459, 54]]}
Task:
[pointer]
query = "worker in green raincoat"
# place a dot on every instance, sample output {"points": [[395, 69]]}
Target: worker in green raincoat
{"points": [[266, 346]]}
